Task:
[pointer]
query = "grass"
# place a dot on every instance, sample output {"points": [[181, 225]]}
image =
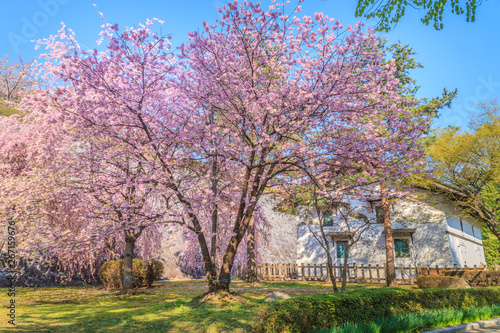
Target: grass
{"points": [[165, 308], [6, 111], [416, 322]]}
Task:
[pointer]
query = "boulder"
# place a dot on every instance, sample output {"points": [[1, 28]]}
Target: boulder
{"points": [[276, 296]]}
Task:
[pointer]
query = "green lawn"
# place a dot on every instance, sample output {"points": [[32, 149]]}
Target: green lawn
{"points": [[164, 308], [7, 111]]}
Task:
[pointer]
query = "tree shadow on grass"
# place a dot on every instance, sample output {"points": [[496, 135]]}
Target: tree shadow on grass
{"points": [[165, 309], [134, 314]]}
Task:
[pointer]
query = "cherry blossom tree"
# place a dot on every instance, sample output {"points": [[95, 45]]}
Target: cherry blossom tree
{"points": [[292, 95], [14, 78], [196, 140], [96, 158]]}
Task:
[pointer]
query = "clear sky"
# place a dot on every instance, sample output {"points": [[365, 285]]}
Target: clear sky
{"points": [[462, 55]]}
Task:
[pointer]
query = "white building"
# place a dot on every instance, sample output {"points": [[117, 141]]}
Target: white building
{"points": [[428, 230]]}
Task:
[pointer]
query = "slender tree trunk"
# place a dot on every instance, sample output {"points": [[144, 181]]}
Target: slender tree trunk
{"points": [[213, 242], [390, 272], [111, 245], [344, 270], [331, 271], [210, 269], [251, 268], [211, 272]]}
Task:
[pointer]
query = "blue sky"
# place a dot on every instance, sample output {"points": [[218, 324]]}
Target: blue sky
{"points": [[463, 55]]}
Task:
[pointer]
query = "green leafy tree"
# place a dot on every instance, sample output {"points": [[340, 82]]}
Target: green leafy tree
{"points": [[423, 107], [404, 57], [389, 12], [491, 246], [467, 166]]}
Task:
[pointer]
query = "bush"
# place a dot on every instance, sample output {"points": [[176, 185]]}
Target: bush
{"points": [[478, 278], [111, 273], [306, 314], [429, 281], [419, 321], [437, 281], [154, 272]]}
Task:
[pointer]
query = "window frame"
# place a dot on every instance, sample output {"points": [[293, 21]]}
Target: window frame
{"points": [[328, 219], [408, 242], [379, 214], [346, 242]]}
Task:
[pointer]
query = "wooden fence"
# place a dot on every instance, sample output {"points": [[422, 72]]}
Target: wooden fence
{"points": [[355, 273]]}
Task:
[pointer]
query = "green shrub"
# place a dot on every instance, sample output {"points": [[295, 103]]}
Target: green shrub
{"points": [[478, 278], [429, 281], [419, 321], [306, 314], [111, 273], [437, 281], [154, 271]]}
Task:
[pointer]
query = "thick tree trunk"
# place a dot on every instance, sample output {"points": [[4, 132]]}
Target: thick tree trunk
{"points": [[130, 238], [128, 278], [222, 284], [227, 265], [251, 267], [232, 248], [390, 273]]}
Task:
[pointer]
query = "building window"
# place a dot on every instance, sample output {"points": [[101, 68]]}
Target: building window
{"points": [[379, 213], [342, 249], [328, 219], [402, 248]]}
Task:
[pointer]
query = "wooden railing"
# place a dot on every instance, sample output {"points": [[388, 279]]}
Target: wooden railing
{"points": [[355, 273]]}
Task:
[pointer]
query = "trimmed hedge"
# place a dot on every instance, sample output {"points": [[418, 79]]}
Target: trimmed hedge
{"points": [[306, 314], [478, 278], [111, 273], [437, 281]]}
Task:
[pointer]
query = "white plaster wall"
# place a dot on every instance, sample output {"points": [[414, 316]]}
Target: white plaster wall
{"points": [[464, 238], [280, 245], [289, 239], [427, 215], [465, 241], [430, 244]]}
